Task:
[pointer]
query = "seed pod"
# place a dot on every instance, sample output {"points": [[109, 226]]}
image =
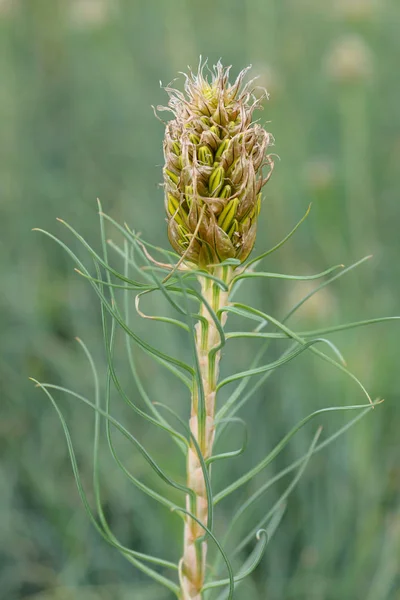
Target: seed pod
{"points": [[213, 173]]}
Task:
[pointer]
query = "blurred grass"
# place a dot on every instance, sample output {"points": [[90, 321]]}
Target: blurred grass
{"points": [[78, 79]]}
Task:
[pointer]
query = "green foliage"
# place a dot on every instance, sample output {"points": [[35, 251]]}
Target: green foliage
{"points": [[107, 289], [77, 83]]}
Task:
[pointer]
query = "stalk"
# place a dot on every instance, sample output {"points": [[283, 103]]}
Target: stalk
{"points": [[202, 427], [216, 164]]}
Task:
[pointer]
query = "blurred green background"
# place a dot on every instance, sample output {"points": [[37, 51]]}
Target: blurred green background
{"points": [[78, 78]]}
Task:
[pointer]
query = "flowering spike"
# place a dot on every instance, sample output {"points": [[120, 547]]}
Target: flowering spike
{"points": [[214, 160]]}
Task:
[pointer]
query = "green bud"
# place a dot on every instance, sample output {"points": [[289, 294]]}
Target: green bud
{"points": [[221, 149], [173, 204], [222, 245], [175, 209], [176, 147], [234, 227], [189, 194], [254, 212], [205, 155], [258, 205], [227, 216], [183, 233], [237, 170], [215, 130], [220, 116], [226, 191], [194, 139], [173, 176], [216, 180]]}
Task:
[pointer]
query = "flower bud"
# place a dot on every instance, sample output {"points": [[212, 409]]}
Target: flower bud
{"points": [[215, 159], [227, 216], [216, 180]]}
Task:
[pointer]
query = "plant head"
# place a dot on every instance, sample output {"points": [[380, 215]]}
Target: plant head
{"points": [[215, 163]]}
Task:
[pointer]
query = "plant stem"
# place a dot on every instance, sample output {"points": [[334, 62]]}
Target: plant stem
{"points": [[203, 430]]}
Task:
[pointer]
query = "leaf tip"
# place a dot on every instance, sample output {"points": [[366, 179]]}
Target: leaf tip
{"points": [[261, 532]]}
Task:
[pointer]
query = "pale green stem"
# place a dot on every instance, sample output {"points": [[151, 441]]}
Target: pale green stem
{"points": [[203, 430]]}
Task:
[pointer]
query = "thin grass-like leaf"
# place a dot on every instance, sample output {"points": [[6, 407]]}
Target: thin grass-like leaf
{"points": [[298, 462], [305, 334], [247, 569], [346, 326], [233, 453], [283, 496], [197, 273], [150, 492], [160, 319], [182, 442], [263, 536], [279, 244], [126, 233], [161, 425], [96, 479], [135, 238], [145, 397], [300, 340], [169, 362], [261, 274], [277, 363], [96, 437], [158, 282], [241, 313], [132, 555], [238, 392], [137, 284], [324, 284], [160, 472], [280, 446], [232, 401]]}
